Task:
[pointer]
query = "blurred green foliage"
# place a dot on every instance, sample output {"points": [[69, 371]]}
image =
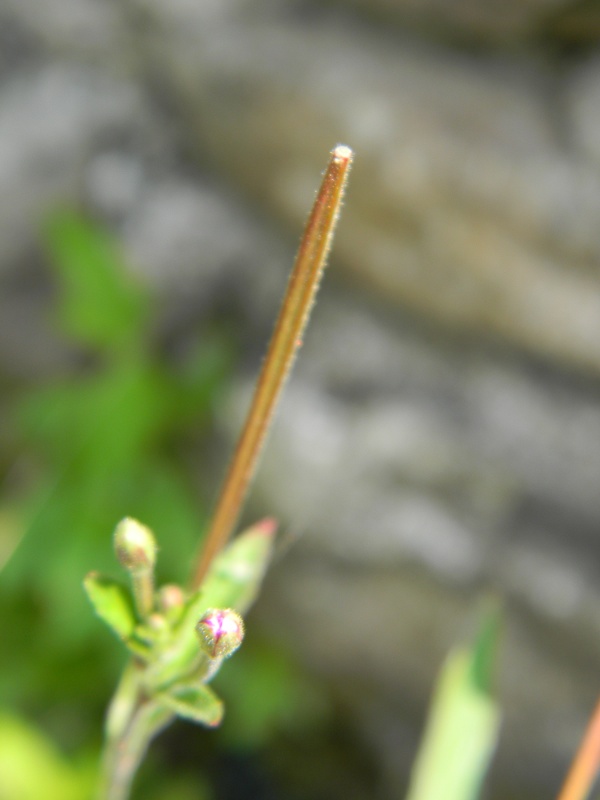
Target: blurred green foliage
{"points": [[108, 439], [100, 442], [263, 688]]}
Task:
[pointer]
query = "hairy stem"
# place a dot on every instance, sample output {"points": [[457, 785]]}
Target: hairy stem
{"points": [[132, 722], [286, 339], [143, 591]]}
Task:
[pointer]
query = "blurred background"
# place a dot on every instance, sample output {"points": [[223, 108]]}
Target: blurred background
{"points": [[440, 436]]}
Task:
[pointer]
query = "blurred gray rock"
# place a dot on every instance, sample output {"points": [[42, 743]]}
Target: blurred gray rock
{"points": [[485, 21], [583, 99], [415, 475], [49, 117], [472, 205]]}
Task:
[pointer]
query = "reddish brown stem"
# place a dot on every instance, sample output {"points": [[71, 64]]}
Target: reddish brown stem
{"points": [[287, 337], [586, 763]]}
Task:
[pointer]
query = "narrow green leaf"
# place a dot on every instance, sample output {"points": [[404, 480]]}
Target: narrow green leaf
{"points": [[463, 724], [485, 648], [236, 574], [112, 603], [101, 305], [193, 701]]}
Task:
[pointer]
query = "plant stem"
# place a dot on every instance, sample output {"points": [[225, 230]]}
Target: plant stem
{"points": [[143, 591], [586, 763], [133, 721], [287, 337]]}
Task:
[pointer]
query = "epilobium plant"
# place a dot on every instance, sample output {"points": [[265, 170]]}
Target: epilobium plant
{"points": [[177, 639]]}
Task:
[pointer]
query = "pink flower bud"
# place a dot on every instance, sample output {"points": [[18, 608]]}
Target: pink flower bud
{"points": [[221, 631]]}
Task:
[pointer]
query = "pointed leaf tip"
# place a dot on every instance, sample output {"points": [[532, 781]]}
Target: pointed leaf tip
{"points": [[266, 527], [484, 653], [236, 574]]}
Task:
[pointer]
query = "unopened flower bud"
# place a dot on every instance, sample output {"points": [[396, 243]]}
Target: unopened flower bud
{"points": [[221, 631], [157, 623], [135, 545], [170, 596]]}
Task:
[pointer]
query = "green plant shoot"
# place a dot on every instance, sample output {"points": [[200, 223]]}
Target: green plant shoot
{"points": [[177, 639]]}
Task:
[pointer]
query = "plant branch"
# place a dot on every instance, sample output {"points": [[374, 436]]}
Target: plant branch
{"points": [[133, 721], [287, 337]]}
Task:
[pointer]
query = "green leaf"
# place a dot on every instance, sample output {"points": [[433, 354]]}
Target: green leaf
{"points": [[235, 576], [193, 701], [101, 306], [485, 649], [112, 603], [463, 724]]}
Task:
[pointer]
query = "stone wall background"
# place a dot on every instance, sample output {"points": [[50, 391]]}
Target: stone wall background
{"points": [[442, 431]]}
